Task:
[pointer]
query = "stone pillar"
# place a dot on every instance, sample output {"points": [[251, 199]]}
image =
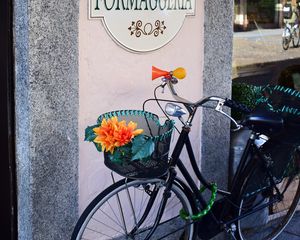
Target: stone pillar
{"points": [[46, 99], [218, 37]]}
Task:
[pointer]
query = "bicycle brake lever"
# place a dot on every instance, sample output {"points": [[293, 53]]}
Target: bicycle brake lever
{"points": [[219, 108]]}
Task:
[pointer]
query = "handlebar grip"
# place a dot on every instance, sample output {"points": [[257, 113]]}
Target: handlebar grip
{"points": [[237, 105]]}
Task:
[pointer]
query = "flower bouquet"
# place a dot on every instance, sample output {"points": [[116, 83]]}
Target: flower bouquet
{"points": [[134, 143]]}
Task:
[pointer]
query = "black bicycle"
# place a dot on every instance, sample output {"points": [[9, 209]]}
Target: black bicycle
{"points": [[152, 202]]}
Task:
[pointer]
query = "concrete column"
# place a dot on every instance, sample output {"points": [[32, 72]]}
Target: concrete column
{"points": [[46, 69], [218, 37]]}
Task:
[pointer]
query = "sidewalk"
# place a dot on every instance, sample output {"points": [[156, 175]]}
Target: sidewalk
{"points": [[292, 231], [261, 46], [258, 56]]}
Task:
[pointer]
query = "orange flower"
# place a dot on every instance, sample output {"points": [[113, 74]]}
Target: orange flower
{"points": [[111, 133]]}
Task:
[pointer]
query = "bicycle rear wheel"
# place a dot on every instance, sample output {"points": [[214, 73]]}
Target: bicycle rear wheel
{"points": [[296, 37], [274, 213], [120, 212]]}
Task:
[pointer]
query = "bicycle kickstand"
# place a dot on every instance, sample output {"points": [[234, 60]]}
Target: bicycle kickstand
{"points": [[231, 230]]}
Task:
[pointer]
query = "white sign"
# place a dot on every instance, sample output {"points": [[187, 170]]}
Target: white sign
{"points": [[142, 25]]}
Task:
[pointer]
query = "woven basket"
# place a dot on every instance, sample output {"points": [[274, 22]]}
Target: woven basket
{"points": [[285, 102], [156, 163]]}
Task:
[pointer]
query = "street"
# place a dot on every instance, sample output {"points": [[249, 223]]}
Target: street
{"points": [[259, 46], [260, 53]]}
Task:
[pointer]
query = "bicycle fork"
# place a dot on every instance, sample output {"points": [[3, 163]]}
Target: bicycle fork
{"points": [[147, 210], [166, 196]]}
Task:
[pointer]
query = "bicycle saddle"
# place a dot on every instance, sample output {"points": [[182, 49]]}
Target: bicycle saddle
{"points": [[265, 122]]}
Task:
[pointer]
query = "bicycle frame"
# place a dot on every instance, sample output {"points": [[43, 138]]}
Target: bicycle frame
{"points": [[224, 212], [213, 223]]}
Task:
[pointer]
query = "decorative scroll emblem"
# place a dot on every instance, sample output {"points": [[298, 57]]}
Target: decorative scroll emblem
{"points": [[142, 25], [138, 29]]}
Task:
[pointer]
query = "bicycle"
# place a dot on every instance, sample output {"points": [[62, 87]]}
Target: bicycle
{"points": [[156, 204], [291, 32]]}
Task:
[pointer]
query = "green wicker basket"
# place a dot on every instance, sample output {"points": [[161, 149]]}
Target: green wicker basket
{"points": [[145, 155]]}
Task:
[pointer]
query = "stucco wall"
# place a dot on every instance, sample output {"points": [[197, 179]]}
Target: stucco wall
{"points": [[112, 78]]}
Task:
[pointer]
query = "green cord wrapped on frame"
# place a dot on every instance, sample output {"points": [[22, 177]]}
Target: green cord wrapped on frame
{"points": [[184, 215]]}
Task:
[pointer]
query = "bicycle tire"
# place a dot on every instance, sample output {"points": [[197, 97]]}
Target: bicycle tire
{"points": [[286, 39], [270, 221], [296, 37], [97, 221]]}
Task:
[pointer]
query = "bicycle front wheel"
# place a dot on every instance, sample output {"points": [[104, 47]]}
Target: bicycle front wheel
{"points": [[286, 38], [269, 209], [296, 37], [127, 210]]}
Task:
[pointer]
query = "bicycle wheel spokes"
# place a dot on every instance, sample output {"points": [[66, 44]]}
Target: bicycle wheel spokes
{"points": [[122, 213], [289, 186], [270, 221]]}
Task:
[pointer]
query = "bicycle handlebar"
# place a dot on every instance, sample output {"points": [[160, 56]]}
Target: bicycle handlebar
{"points": [[237, 105], [170, 78]]}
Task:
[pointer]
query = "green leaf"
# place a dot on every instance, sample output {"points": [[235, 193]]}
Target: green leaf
{"points": [[142, 147], [116, 157], [90, 134], [121, 154], [98, 146]]}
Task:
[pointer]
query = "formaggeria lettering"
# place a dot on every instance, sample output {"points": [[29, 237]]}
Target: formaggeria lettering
{"points": [[143, 5]]}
